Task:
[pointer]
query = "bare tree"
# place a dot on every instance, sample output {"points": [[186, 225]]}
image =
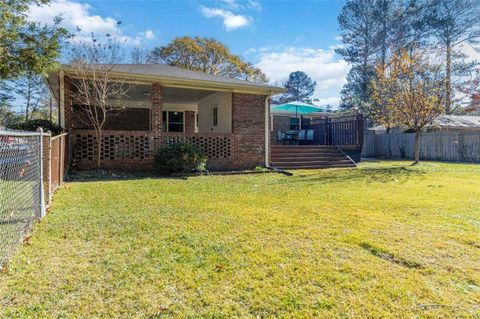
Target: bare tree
{"points": [[31, 87], [411, 91], [139, 55], [97, 91]]}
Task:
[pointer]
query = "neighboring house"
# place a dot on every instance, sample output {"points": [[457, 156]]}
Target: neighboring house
{"points": [[456, 123], [227, 118]]}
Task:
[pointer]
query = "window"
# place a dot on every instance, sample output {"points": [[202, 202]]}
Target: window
{"points": [[173, 121], [294, 124], [306, 121], [215, 116]]}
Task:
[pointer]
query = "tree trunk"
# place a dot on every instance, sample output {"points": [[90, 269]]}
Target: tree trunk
{"points": [[448, 80], [27, 108], [99, 147], [417, 147]]}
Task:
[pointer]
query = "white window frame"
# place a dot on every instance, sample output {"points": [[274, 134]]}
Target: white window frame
{"points": [[168, 120]]}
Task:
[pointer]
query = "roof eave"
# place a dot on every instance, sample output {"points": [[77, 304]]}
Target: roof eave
{"points": [[170, 81]]}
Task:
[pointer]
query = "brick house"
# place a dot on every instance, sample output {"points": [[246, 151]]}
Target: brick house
{"points": [[227, 118]]}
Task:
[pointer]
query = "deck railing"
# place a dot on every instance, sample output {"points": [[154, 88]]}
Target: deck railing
{"points": [[339, 131]]}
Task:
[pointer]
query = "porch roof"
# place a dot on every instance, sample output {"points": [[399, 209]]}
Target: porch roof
{"points": [[177, 77]]}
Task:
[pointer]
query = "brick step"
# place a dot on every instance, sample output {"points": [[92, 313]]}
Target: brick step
{"points": [[317, 166]]}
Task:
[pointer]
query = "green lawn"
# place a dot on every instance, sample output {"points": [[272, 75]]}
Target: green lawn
{"points": [[383, 240]]}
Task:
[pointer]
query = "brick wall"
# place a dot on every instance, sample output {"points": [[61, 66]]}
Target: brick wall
{"points": [[157, 108], [248, 128], [68, 103], [128, 119], [189, 122]]}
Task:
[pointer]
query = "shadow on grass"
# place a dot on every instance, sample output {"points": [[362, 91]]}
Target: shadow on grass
{"points": [[382, 254], [113, 175], [397, 174]]}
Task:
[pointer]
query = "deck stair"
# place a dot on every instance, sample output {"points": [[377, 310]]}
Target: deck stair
{"points": [[308, 157]]}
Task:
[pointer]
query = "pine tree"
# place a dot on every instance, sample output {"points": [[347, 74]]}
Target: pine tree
{"points": [[455, 22], [300, 87], [25, 45]]}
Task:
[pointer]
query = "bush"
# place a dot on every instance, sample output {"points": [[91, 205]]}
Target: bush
{"points": [[32, 125], [179, 157]]}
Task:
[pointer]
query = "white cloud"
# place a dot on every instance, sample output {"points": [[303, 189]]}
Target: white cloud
{"points": [[323, 66], [231, 21], [231, 3], [255, 5], [472, 52], [149, 35], [78, 15], [242, 5]]}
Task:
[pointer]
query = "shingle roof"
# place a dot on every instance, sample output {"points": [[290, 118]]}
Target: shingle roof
{"points": [[458, 121], [167, 71]]}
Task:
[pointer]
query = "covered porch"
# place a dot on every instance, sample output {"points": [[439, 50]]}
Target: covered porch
{"points": [[228, 119], [230, 128]]}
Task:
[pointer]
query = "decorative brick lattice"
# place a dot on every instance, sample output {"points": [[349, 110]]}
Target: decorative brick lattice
{"points": [[116, 146], [122, 149], [214, 146]]}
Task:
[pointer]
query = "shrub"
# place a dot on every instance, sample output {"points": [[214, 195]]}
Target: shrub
{"points": [[179, 157], [32, 125]]}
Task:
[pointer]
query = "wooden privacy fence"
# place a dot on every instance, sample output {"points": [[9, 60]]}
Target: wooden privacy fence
{"points": [[436, 146]]}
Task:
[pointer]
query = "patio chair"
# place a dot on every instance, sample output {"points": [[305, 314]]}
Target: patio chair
{"points": [[280, 137], [302, 137], [310, 136]]}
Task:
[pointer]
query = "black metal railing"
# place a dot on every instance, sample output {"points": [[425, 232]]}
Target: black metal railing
{"points": [[338, 131]]}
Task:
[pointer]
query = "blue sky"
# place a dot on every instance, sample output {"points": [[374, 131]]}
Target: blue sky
{"points": [[277, 36]]}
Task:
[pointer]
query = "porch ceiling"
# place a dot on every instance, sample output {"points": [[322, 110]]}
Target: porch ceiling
{"points": [[170, 95], [141, 92]]}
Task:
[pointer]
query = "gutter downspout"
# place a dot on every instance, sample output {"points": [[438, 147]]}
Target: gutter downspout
{"points": [[267, 130]]}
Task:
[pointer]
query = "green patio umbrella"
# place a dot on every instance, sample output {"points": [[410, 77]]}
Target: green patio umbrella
{"points": [[298, 106]]}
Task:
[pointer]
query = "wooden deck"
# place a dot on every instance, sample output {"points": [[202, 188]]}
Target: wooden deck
{"points": [[309, 157]]}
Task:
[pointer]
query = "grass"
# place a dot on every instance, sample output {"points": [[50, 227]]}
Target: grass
{"points": [[16, 214], [385, 240]]}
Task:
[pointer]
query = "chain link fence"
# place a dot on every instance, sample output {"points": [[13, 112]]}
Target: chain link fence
{"points": [[21, 187]]}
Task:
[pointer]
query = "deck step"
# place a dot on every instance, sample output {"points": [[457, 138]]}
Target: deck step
{"points": [[308, 157], [300, 163], [294, 161], [317, 166]]}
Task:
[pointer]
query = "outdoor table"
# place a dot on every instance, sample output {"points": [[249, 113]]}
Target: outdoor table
{"points": [[291, 136]]}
